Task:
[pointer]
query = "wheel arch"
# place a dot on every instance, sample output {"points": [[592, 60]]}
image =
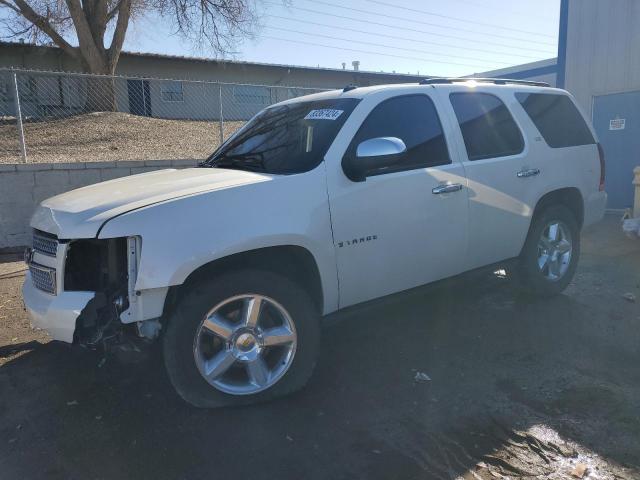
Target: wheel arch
{"points": [[569, 197], [291, 261]]}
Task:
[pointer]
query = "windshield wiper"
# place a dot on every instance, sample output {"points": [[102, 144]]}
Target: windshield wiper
{"points": [[248, 161]]}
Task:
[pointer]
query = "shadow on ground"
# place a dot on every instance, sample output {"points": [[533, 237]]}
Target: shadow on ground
{"points": [[518, 387]]}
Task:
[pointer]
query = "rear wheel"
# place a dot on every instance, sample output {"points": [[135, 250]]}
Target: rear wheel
{"points": [[242, 338], [550, 255]]}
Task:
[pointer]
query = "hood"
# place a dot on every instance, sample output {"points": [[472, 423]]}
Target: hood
{"points": [[80, 213]]}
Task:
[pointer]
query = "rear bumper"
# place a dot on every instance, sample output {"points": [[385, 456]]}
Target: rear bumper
{"points": [[594, 207], [55, 314]]}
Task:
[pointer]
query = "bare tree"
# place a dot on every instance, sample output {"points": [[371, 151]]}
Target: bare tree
{"points": [[99, 27]]}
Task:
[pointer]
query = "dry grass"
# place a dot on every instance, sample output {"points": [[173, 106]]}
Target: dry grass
{"points": [[107, 136]]}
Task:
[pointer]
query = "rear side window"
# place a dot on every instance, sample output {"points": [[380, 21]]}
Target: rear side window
{"points": [[414, 120], [557, 119], [488, 129]]}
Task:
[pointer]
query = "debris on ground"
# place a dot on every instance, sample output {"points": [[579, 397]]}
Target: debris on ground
{"points": [[579, 471], [631, 227], [72, 403], [422, 377], [630, 297]]}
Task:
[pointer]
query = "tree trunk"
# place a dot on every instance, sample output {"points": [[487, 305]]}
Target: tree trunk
{"points": [[101, 88], [101, 94]]}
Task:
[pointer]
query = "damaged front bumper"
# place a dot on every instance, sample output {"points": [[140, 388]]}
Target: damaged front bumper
{"points": [[56, 314], [84, 291]]}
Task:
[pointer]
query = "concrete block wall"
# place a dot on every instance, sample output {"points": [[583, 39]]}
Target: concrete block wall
{"points": [[23, 186]]}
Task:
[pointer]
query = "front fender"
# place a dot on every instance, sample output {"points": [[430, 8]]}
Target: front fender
{"points": [[181, 235]]}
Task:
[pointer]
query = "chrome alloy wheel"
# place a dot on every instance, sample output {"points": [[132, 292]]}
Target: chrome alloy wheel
{"points": [[554, 251], [245, 344]]}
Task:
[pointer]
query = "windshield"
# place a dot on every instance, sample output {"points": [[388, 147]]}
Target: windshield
{"points": [[285, 139]]}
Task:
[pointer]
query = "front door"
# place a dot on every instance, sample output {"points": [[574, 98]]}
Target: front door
{"points": [[139, 97], [616, 119], [399, 228]]}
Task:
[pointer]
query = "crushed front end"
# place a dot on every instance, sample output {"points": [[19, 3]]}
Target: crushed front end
{"points": [[78, 290]]}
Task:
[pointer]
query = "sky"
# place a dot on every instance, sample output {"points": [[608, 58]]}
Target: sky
{"points": [[426, 37]]}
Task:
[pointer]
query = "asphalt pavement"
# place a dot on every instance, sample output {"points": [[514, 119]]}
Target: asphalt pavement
{"points": [[465, 379]]}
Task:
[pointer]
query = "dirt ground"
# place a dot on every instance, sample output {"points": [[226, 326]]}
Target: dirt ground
{"points": [[108, 136], [512, 388]]}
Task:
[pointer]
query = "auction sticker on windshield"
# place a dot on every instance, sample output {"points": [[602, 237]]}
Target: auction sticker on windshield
{"points": [[324, 114]]}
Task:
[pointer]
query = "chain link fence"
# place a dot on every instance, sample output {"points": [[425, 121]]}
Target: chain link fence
{"points": [[69, 117]]}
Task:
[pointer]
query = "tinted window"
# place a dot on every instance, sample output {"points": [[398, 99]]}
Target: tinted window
{"points": [[285, 139], [414, 120], [487, 126], [557, 119]]}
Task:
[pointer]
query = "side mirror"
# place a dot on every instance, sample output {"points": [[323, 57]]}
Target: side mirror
{"points": [[372, 155]]}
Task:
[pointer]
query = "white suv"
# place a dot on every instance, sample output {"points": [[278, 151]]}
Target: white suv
{"points": [[316, 204]]}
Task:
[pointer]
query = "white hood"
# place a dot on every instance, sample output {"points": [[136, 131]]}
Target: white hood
{"points": [[80, 213]]}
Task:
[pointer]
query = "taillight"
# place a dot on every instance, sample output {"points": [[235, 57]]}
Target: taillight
{"points": [[601, 154]]}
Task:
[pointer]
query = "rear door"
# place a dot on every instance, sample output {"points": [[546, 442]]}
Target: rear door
{"points": [[394, 231], [565, 147], [504, 177]]}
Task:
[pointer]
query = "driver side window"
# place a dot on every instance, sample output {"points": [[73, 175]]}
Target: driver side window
{"points": [[414, 120]]}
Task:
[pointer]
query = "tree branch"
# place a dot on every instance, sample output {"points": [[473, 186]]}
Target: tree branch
{"points": [[91, 53], [43, 24], [11, 6], [114, 11], [124, 12], [96, 13]]}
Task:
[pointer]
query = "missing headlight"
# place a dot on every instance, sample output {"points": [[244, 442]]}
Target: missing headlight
{"points": [[96, 265]]}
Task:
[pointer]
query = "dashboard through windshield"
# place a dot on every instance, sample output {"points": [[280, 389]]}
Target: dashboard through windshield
{"points": [[285, 139]]}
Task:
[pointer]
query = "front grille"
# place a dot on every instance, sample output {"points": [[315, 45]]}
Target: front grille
{"points": [[43, 278], [45, 243]]}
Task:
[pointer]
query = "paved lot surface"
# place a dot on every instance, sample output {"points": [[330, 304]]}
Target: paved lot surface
{"points": [[518, 388]]}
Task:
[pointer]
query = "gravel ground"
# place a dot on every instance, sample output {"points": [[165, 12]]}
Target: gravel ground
{"points": [[107, 136], [16, 335], [464, 379]]}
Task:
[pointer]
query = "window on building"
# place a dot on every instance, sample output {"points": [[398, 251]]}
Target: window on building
{"points": [[28, 88], [414, 120], [557, 119], [252, 95], [172, 91], [488, 129]]}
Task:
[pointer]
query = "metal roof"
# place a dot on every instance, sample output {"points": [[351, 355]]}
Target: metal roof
{"points": [[223, 61]]}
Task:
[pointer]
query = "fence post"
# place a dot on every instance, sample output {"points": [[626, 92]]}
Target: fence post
{"points": [[221, 118], [16, 97], [636, 201]]}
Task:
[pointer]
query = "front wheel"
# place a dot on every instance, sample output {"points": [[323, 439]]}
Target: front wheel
{"points": [[244, 337], [550, 255]]}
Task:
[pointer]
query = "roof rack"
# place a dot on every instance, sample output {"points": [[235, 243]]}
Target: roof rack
{"points": [[495, 81]]}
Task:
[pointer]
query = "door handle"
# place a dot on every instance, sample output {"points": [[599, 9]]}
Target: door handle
{"points": [[532, 172], [447, 188]]}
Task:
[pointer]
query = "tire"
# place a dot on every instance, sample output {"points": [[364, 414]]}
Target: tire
{"points": [[537, 280], [187, 343]]}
